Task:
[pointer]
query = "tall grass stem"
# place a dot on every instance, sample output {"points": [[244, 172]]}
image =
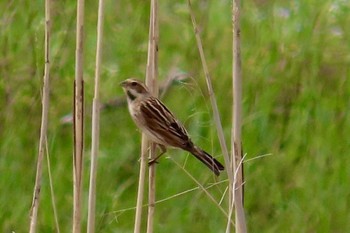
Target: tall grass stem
{"points": [[95, 122], [141, 185], [44, 121], [93, 166], [211, 93], [236, 141], [78, 120], [53, 199], [151, 82]]}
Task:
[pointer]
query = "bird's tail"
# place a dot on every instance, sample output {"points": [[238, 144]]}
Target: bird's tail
{"points": [[208, 160]]}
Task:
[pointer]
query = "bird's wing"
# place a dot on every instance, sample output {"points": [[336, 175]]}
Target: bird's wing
{"points": [[161, 122]]}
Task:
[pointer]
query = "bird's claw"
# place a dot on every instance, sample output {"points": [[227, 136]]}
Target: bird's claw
{"points": [[152, 161]]}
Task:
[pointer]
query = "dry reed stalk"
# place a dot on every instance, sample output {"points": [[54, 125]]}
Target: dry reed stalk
{"points": [[229, 167], [78, 120], [151, 82], [211, 93], [44, 121], [51, 190], [95, 122], [236, 141], [141, 185], [151, 190]]}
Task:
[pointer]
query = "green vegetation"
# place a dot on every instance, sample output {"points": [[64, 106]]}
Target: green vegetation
{"points": [[296, 68]]}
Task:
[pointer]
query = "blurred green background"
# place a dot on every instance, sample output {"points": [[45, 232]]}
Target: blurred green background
{"points": [[296, 61]]}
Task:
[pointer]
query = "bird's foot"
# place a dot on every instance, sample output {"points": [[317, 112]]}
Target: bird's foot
{"points": [[152, 161]]}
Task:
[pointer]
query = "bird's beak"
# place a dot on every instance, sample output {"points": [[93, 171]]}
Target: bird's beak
{"points": [[123, 84]]}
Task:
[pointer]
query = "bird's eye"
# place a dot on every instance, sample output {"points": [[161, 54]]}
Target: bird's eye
{"points": [[133, 84]]}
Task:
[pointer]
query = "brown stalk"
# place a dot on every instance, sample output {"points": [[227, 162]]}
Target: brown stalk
{"points": [[236, 141], [229, 165], [53, 199], [151, 82], [95, 122], [78, 119], [213, 102], [211, 93], [140, 189], [44, 122]]}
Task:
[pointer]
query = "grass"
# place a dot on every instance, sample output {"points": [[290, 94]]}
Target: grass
{"points": [[295, 58]]}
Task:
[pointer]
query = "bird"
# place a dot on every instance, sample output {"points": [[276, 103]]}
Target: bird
{"points": [[160, 126]]}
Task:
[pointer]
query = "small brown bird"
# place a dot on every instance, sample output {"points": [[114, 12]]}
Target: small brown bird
{"points": [[160, 125]]}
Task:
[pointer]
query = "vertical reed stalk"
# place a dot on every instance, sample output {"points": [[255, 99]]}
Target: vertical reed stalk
{"points": [[95, 122], [143, 162], [78, 120], [44, 122], [53, 199], [151, 82], [236, 142]]}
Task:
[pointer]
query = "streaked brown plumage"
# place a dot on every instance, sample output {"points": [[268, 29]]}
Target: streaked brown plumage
{"points": [[160, 125]]}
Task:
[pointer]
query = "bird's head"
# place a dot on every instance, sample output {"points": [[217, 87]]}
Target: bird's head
{"points": [[134, 89]]}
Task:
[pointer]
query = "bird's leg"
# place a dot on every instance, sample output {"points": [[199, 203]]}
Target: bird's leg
{"points": [[162, 151]]}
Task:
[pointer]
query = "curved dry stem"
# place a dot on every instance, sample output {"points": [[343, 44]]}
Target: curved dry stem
{"points": [[212, 97], [217, 120]]}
